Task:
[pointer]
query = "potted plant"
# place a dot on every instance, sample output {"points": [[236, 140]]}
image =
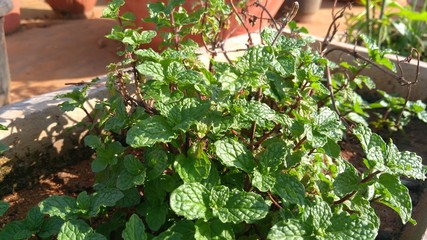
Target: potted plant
{"points": [[12, 19], [254, 14], [246, 148], [72, 8], [307, 9]]}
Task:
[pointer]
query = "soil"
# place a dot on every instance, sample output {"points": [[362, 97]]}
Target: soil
{"points": [[70, 181]]}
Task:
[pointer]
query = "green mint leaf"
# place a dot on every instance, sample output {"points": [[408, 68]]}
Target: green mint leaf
{"points": [[4, 206], [50, 227], [93, 141], [155, 213], [191, 200], [273, 157], [256, 60], [237, 206], [107, 155], [146, 36], [213, 178], [131, 198], [125, 180], [148, 54], [346, 181], [364, 134], [149, 132], [254, 111], [34, 219], [61, 206], [133, 165], [290, 189], [376, 54], [181, 115], [215, 230], [181, 230], [263, 181], [405, 163], [291, 229], [234, 154], [151, 69], [395, 195], [343, 226], [83, 201], [230, 82], [135, 229], [327, 123], [132, 175], [218, 199], [332, 149], [156, 161], [78, 230], [106, 197], [13, 229], [192, 168], [319, 214]]}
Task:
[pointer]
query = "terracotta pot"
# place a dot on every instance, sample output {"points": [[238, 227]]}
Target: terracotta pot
{"points": [[306, 11], [12, 20], [72, 8], [140, 10]]}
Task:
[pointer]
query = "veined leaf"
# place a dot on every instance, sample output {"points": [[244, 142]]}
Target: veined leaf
{"points": [[61, 206], [192, 168], [347, 181], [395, 195], [149, 132], [34, 219], [263, 181], [291, 229], [78, 230], [106, 197], [181, 115], [151, 69], [155, 213], [135, 229], [181, 230], [344, 226], [319, 214], [191, 200], [234, 154], [237, 206], [215, 230], [290, 189], [156, 160], [327, 123]]}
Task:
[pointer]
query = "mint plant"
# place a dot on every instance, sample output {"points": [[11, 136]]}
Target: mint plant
{"points": [[242, 149]]}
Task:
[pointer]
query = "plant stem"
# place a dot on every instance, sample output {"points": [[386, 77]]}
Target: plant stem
{"points": [[380, 27], [368, 18]]}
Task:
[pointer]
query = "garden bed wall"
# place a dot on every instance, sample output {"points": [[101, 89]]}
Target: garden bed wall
{"points": [[383, 81], [40, 138]]}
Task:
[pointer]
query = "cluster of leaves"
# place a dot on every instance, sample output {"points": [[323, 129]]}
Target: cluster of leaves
{"points": [[392, 26], [3, 147], [245, 149]]}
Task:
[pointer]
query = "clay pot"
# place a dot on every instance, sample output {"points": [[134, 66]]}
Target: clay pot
{"points": [[306, 11], [140, 10], [72, 8], [12, 20]]}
